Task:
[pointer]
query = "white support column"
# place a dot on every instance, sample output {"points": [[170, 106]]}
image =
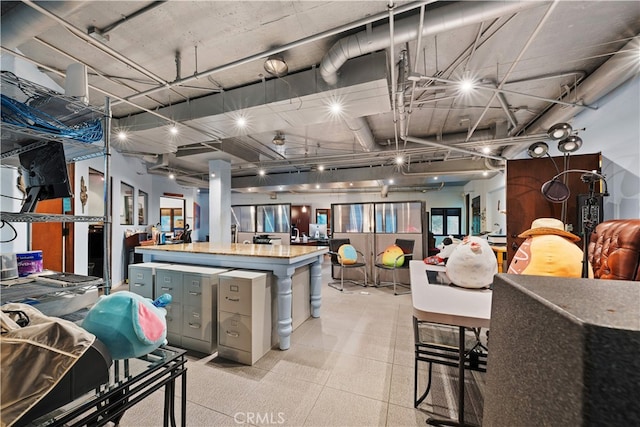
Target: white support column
{"points": [[220, 201]]}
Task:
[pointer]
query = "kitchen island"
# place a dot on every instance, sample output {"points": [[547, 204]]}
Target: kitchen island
{"points": [[281, 260]]}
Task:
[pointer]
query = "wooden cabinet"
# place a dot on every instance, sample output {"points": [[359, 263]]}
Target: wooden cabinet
{"points": [[300, 218], [244, 316], [192, 314], [525, 201]]}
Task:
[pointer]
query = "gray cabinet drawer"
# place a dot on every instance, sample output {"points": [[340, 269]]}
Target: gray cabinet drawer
{"points": [[197, 323], [169, 282], [194, 286], [235, 331], [174, 318], [235, 295]]}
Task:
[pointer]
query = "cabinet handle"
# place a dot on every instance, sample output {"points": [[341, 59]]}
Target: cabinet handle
{"points": [[166, 289], [194, 293], [196, 315], [138, 284], [194, 325], [233, 334], [233, 299]]}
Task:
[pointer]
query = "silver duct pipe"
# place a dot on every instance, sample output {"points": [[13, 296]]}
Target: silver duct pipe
{"points": [[622, 66], [23, 23], [452, 147], [447, 18], [362, 132]]}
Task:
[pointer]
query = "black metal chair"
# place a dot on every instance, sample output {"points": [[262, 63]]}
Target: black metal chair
{"points": [[407, 250], [336, 261]]}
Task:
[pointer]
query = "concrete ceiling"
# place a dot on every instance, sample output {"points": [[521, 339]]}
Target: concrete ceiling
{"points": [[396, 70]]}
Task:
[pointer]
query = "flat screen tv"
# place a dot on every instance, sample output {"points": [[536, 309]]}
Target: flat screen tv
{"points": [[45, 175]]}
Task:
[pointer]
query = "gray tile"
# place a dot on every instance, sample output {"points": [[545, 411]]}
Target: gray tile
{"points": [[220, 385], [301, 362], [370, 346], [399, 416], [278, 399], [353, 366], [339, 408], [364, 377]]}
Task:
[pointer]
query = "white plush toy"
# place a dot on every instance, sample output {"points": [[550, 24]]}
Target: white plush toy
{"points": [[472, 264]]}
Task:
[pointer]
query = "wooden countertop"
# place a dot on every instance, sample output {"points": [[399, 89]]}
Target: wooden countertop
{"points": [[237, 249]]}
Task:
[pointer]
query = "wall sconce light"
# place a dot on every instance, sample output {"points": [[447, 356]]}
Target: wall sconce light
{"points": [[559, 131], [570, 144], [276, 66], [538, 149]]}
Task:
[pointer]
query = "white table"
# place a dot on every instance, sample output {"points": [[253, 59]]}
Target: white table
{"points": [[448, 305]]}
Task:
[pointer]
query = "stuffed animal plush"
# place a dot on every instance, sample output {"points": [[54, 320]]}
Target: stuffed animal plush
{"points": [[548, 250], [393, 256], [347, 254], [128, 324], [472, 264], [446, 249]]}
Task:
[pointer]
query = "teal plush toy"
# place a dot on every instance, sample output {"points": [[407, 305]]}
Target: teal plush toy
{"points": [[128, 324]]}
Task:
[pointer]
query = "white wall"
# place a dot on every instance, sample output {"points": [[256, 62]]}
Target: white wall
{"points": [[132, 171], [614, 129], [493, 201]]}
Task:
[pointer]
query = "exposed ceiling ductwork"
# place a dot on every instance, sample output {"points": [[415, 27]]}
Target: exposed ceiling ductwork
{"points": [[622, 66], [446, 18], [534, 72]]}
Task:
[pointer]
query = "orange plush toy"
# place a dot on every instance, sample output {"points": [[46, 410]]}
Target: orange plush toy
{"points": [[548, 251]]}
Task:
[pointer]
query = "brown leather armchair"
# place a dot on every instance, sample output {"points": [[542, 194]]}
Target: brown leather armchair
{"points": [[614, 250]]}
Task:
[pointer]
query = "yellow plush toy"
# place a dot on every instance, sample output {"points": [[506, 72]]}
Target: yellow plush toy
{"points": [[548, 251]]}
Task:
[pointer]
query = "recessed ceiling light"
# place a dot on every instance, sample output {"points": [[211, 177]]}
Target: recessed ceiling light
{"points": [[241, 122], [122, 135], [351, 184], [391, 181], [486, 150], [399, 160], [466, 85], [336, 108], [261, 172], [435, 178], [317, 185], [485, 173], [213, 175], [172, 176], [320, 168], [174, 130]]}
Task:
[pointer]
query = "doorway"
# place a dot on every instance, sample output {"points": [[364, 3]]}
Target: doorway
{"points": [[95, 240], [172, 215]]}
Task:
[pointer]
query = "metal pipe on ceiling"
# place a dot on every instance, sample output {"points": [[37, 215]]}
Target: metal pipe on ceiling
{"points": [[622, 66], [446, 18], [106, 49], [104, 30], [452, 148], [515, 62], [279, 49], [23, 22], [104, 92]]}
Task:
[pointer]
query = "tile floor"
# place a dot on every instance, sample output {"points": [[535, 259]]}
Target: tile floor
{"points": [[353, 366]]}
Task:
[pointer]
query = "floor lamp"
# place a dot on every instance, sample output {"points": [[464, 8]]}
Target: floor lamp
{"points": [[556, 191]]}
